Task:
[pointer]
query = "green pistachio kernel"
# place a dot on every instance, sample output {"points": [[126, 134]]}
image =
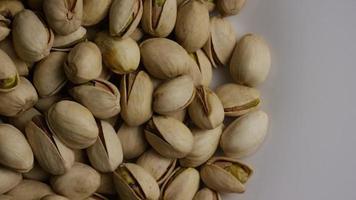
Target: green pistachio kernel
{"points": [[8, 83]]}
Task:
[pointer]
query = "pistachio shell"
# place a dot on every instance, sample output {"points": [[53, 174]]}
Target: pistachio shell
{"points": [[106, 184], [9, 77], [43, 104], [21, 121], [94, 11], [48, 76], [230, 7], [65, 42], [251, 61], [83, 63], [192, 26], [136, 98], [37, 174], [120, 55], [132, 182], [74, 125], [6, 197], [105, 154], [159, 17], [182, 185], [4, 27], [206, 143], [202, 72], [245, 135], [54, 197], [164, 58], [52, 155], [63, 16], [10, 8], [80, 182], [178, 115], [101, 97], [207, 194], [30, 190], [9, 179], [169, 137], [133, 141], [124, 17], [225, 175], [173, 95], [32, 39], [238, 99], [137, 35], [206, 110]]}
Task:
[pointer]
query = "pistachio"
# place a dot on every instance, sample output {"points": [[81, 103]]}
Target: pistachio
{"points": [[230, 7], [124, 17], [158, 166], [206, 143], [202, 72], [101, 97], [94, 11], [30, 190], [8, 9], [83, 63], [80, 182], [132, 182], [164, 58], [48, 76], [159, 17], [192, 26], [32, 39], [178, 115], [81, 132], [43, 104], [173, 95], [206, 110], [120, 55], [251, 61], [238, 99], [52, 155], [63, 16], [136, 98], [133, 141], [66, 42], [54, 197], [9, 179], [37, 174], [221, 43], [22, 120], [106, 184], [244, 135], [105, 154], [19, 100], [207, 194], [9, 77], [181, 185], [21, 66], [169, 137]]}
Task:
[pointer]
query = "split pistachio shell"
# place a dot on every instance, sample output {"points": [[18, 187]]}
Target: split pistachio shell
{"points": [[48, 76], [63, 16], [74, 124], [43, 104], [159, 17], [66, 42], [101, 97], [164, 58], [94, 11], [244, 135], [54, 197], [19, 100], [122, 56], [105, 154], [4, 27], [21, 121], [9, 179], [192, 27], [30, 190], [169, 137], [80, 182], [106, 184], [206, 110], [230, 7], [83, 63], [238, 99], [225, 175], [9, 77], [124, 17], [207, 194], [136, 98], [182, 184], [133, 141], [178, 115], [32, 39], [52, 155], [202, 72], [8, 9], [251, 61], [174, 95], [221, 43], [206, 143], [158, 166], [37, 174], [132, 182]]}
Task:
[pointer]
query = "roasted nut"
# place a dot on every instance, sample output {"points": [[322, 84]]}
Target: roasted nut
{"points": [[22, 120], [133, 141], [9, 77]]}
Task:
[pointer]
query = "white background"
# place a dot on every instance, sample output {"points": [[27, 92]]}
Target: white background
{"points": [[310, 95]]}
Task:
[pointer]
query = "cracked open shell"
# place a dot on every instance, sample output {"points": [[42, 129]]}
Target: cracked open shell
{"points": [[202, 72], [94, 11], [133, 141], [8, 9], [9, 179], [29, 189], [230, 7], [9, 77], [207, 194]]}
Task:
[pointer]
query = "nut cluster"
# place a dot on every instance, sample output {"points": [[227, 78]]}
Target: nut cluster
{"points": [[110, 99]]}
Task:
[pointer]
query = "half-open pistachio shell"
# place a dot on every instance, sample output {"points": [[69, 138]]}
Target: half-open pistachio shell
{"points": [[9, 179], [54, 197], [8, 9], [29, 189], [207, 194], [9, 77], [202, 72], [21, 121], [238, 99], [66, 42], [132, 182], [133, 141], [94, 11], [225, 175]]}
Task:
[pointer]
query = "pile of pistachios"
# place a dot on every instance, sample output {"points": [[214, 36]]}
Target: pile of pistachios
{"points": [[110, 99]]}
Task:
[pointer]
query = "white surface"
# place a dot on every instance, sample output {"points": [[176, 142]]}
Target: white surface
{"points": [[310, 96]]}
